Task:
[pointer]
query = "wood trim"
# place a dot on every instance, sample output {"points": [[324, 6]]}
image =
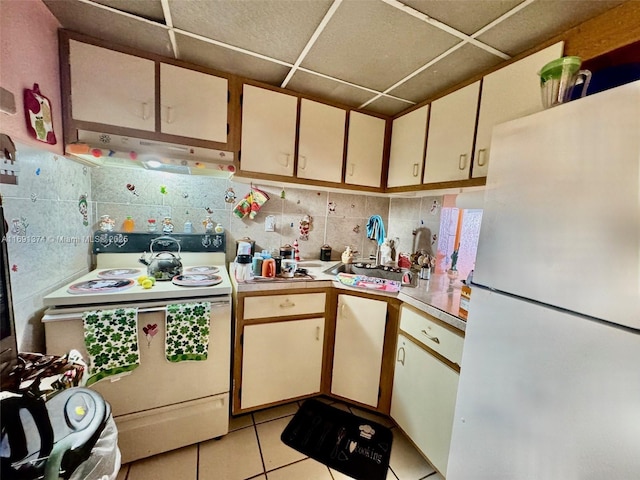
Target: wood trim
{"points": [[70, 135], [424, 147], [471, 182], [303, 181], [433, 353]]}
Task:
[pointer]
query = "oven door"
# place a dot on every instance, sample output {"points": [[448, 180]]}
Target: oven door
{"points": [[156, 382]]}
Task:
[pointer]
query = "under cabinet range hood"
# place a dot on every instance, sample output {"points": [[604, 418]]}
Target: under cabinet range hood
{"points": [[108, 150]]}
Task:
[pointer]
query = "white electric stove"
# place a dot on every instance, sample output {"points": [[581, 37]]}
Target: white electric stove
{"points": [[161, 405]]}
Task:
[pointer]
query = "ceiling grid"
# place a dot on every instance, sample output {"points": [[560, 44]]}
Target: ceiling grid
{"points": [[376, 55]]}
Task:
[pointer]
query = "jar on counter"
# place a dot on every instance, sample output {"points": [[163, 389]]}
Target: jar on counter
{"points": [[243, 271], [128, 225], [325, 253]]}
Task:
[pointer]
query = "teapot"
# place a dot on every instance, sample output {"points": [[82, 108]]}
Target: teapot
{"points": [[163, 265]]}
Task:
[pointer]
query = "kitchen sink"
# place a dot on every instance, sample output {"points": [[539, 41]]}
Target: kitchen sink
{"points": [[407, 277]]}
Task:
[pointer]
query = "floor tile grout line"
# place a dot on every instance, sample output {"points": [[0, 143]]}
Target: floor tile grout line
{"points": [[255, 430]]}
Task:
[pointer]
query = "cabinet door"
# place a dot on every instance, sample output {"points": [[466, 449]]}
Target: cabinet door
{"points": [[193, 104], [423, 401], [357, 357], [321, 141], [450, 139], [509, 93], [268, 131], [407, 148], [365, 150], [111, 87], [281, 360]]}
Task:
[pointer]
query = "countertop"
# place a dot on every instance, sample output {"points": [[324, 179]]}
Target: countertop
{"points": [[435, 296]]}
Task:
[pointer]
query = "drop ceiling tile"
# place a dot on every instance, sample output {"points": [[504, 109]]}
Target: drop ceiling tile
{"points": [[311, 84], [387, 106], [468, 16], [113, 27], [149, 9], [220, 58], [370, 43], [277, 28], [542, 20], [455, 68]]}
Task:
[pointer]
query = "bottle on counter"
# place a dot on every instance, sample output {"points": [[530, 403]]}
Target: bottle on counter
{"points": [[243, 271], [128, 225], [188, 227], [256, 265]]}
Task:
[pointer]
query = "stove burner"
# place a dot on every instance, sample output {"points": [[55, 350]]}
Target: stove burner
{"points": [[203, 270], [120, 273], [100, 285], [196, 280]]}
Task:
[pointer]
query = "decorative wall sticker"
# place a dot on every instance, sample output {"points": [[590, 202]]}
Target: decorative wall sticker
{"points": [[8, 167], [434, 207], [434, 238], [14, 268], [132, 188], [85, 170], [283, 194], [332, 207], [305, 227], [150, 331], [96, 152], [34, 197], [37, 171], [37, 110], [229, 195], [185, 195], [209, 210], [19, 226], [163, 189], [356, 229], [83, 208]]}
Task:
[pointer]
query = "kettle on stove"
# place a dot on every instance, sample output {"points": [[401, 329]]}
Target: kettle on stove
{"points": [[163, 265]]}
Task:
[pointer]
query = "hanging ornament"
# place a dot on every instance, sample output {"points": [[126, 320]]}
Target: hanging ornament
{"points": [[305, 227], [163, 189], [283, 194]]}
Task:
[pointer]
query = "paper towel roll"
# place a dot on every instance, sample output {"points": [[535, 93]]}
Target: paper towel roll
{"points": [[470, 200]]}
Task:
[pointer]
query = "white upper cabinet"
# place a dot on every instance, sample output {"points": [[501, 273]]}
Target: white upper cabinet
{"points": [[365, 150], [112, 88], [193, 104], [507, 94], [321, 141], [407, 148], [450, 139], [268, 131]]}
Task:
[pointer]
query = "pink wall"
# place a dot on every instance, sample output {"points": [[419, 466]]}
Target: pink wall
{"points": [[29, 54]]}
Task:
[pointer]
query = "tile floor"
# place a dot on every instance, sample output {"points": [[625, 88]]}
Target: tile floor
{"points": [[253, 450]]}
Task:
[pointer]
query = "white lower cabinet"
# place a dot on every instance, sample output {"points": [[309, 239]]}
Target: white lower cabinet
{"points": [[281, 360], [358, 347], [423, 400]]}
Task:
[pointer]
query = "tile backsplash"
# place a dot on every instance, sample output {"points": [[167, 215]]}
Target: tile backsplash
{"points": [[46, 202]]}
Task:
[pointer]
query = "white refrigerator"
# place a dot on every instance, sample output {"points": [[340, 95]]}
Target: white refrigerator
{"points": [[550, 376]]}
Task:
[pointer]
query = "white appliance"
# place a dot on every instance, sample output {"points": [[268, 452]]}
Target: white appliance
{"points": [[550, 376], [161, 405]]}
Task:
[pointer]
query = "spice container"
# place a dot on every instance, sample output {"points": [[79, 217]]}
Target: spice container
{"points": [[128, 225]]}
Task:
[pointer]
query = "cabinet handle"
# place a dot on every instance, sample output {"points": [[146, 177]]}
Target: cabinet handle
{"points": [[404, 355], [415, 169], [286, 160], [304, 161], [462, 161], [145, 110], [169, 116], [318, 333], [287, 304], [351, 168], [482, 161], [433, 339]]}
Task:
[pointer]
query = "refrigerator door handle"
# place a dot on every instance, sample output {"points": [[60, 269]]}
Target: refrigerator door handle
{"points": [[430, 337]]}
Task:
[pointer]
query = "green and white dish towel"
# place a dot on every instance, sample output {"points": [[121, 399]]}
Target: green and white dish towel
{"points": [[187, 334], [111, 338]]}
